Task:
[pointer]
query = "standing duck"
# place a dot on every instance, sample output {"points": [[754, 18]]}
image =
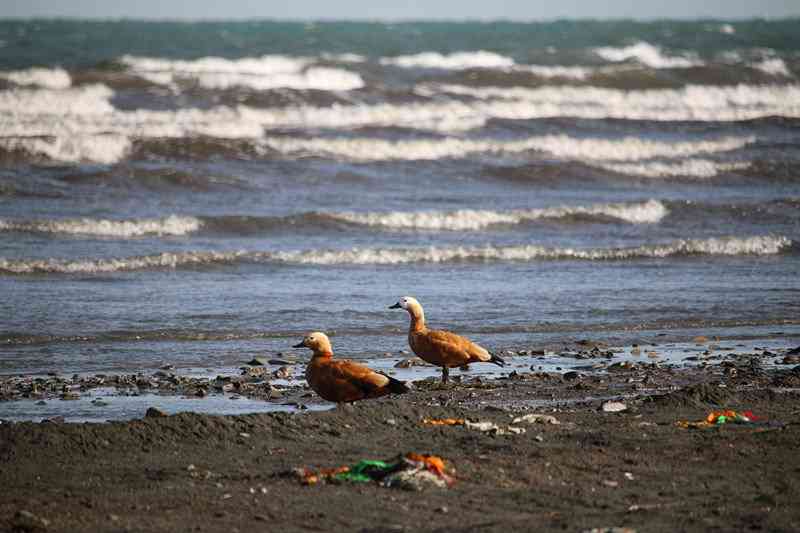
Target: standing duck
{"points": [[343, 381], [441, 348]]}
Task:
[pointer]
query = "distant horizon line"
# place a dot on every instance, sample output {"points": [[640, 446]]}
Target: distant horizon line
{"points": [[410, 20]]}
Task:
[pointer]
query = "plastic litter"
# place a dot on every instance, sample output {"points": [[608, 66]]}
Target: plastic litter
{"points": [[718, 418], [411, 471], [484, 427]]}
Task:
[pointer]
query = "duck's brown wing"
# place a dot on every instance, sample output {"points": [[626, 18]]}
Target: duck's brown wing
{"points": [[455, 350], [354, 381]]}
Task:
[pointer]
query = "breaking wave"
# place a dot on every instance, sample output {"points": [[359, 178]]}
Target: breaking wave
{"points": [[172, 225], [48, 78], [648, 212], [625, 149], [646, 54], [454, 61], [692, 168], [257, 73], [730, 246]]}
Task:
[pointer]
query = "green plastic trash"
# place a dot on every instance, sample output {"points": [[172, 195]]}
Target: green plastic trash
{"points": [[365, 471]]}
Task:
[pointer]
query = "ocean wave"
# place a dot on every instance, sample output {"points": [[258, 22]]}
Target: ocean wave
{"points": [[625, 149], [48, 78], [761, 245], [648, 212], [694, 168], [17, 105], [693, 102], [454, 61], [257, 73], [646, 54], [169, 226], [729, 246], [103, 149], [773, 66]]}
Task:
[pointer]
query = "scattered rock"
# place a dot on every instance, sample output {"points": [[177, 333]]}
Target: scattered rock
{"points": [[254, 371], [614, 407], [790, 360], [257, 361], [27, 521], [571, 375], [283, 372], [412, 361], [281, 362], [154, 412], [537, 419]]}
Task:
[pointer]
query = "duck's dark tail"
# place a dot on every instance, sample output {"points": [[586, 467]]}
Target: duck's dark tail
{"points": [[396, 386], [497, 360]]}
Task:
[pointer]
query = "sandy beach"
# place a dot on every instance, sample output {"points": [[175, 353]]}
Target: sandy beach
{"points": [[635, 469]]}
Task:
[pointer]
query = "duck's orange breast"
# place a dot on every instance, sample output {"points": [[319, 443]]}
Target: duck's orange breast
{"points": [[443, 348], [344, 381]]}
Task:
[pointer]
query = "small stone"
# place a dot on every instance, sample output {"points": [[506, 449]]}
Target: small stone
{"points": [[154, 412], [391, 422], [281, 362], [27, 521], [411, 361], [201, 393], [113, 517], [257, 361], [283, 372], [191, 468], [41, 402], [614, 407], [611, 483], [628, 476], [254, 371], [571, 375], [244, 435], [443, 509], [538, 438]]}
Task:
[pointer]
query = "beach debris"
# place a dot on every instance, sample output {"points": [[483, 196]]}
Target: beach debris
{"points": [[483, 427], [614, 407], [609, 530], [283, 372], [533, 418], [411, 361], [154, 412], [27, 521], [719, 418], [411, 471]]}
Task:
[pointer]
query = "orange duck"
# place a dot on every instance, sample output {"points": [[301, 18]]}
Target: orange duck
{"points": [[343, 381], [441, 348]]}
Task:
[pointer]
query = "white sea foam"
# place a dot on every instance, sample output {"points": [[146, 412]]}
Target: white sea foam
{"points": [[693, 102], [692, 167], [557, 71], [774, 66], [646, 54], [759, 245], [259, 73], [17, 104], [104, 149], [727, 29], [172, 225], [99, 266], [625, 149], [648, 212], [49, 78], [454, 61]]}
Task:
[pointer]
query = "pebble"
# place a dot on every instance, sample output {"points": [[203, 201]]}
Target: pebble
{"points": [[257, 361], [614, 407], [154, 412], [569, 376], [27, 521]]}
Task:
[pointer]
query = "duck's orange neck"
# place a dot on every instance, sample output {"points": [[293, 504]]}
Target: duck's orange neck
{"points": [[322, 354], [417, 319]]}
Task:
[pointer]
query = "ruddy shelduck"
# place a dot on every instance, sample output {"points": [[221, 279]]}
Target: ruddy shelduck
{"points": [[343, 381], [441, 348]]}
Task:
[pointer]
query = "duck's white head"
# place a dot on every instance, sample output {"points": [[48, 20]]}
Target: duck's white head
{"points": [[317, 341], [407, 303]]}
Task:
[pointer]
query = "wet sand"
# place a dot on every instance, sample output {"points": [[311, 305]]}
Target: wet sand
{"points": [[634, 469]]}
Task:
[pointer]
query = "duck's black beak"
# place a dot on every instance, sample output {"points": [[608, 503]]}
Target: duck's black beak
{"points": [[300, 345], [395, 306]]}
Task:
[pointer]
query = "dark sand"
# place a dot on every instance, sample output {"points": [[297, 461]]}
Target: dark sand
{"points": [[633, 469]]}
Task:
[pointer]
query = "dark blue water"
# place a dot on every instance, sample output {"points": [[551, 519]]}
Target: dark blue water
{"points": [[197, 194]]}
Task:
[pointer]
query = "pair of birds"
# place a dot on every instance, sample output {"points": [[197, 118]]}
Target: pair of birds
{"points": [[347, 381]]}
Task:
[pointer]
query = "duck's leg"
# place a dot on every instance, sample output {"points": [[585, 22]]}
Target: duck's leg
{"points": [[445, 374]]}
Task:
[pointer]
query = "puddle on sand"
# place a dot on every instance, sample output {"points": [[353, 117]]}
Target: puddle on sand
{"points": [[103, 405]]}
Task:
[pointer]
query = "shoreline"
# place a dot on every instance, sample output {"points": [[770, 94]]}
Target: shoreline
{"points": [[594, 469]]}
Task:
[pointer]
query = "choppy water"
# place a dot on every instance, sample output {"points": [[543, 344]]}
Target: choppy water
{"points": [[200, 193]]}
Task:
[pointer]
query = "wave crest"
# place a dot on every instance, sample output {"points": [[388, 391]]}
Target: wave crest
{"points": [[170, 226], [648, 212]]}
